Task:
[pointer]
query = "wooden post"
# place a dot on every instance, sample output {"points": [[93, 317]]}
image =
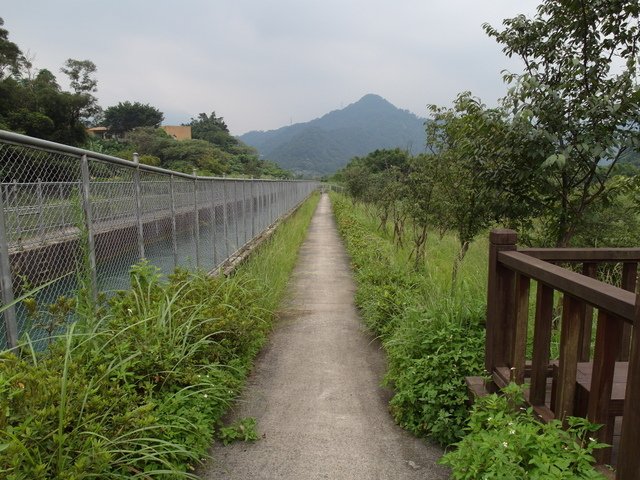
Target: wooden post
{"points": [[608, 333], [541, 344], [519, 342], [584, 354], [568, 366], [499, 300], [628, 466], [629, 274]]}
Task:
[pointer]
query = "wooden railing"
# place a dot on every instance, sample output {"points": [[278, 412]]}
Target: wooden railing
{"points": [[601, 388]]}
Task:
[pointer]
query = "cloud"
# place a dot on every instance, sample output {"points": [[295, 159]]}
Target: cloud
{"points": [[262, 64]]}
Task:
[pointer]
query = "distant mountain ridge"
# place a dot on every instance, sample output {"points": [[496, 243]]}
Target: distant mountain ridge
{"points": [[326, 144]]}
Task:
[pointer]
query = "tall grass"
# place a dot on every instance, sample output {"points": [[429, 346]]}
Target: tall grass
{"points": [[432, 331], [137, 391]]}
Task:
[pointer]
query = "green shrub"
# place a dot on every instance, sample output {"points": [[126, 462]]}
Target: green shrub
{"points": [[428, 363], [506, 441]]}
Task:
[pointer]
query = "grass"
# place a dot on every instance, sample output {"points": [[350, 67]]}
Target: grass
{"points": [[137, 391]]}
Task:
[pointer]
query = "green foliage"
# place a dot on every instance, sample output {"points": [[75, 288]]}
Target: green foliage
{"points": [[441, 191], [36, 105], [135, 393], [157, 148], [576, 103], [505, 441], [244, 430], [12, 60], [213, 129], [462, 139], [125, 116], [82, 82], [431, 358], [433, 336]]}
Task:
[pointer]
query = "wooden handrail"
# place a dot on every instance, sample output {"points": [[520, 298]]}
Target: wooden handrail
{"points": [[601, 255], [599, 294]]}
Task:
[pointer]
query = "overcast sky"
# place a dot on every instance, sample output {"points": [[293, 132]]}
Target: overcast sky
{"points": [[262, 64]]}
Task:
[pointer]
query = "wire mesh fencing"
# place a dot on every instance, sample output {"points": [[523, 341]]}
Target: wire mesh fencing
{"points": [[65, 211]]}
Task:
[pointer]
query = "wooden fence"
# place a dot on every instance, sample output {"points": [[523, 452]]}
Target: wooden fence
{"points": [[601, 386]]}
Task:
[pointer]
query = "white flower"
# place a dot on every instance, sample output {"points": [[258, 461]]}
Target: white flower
{"points": [[206, 396], [512, 432], [130, 311], [505, 444]]}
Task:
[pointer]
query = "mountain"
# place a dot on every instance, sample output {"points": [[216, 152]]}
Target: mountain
{"points": [[326, 144]]}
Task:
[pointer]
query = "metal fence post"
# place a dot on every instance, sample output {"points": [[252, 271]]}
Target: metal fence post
{"points": [[6, 282], [235, 213], [254, 211], [263, 206], [244, 210], [40, 210], [88, 224], [213, 222], [174, 240], [138, 195], [259, 207], [196, 216], [224, 218], [272, 207], [15, 202]]}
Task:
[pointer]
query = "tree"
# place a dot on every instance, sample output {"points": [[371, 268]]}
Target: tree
{"points": [[126, 116], [84, 85], [579, 96], [80, 75], [419, 189], [465, 140], [212, 129], [34, 104], [189, 154], [12, 60]]}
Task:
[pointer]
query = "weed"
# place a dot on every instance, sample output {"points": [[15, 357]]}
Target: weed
{"points": [[505, 441], [244, 430]]}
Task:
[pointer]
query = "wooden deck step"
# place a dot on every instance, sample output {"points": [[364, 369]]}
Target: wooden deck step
{"points": [[476, 387], [583, 378]]}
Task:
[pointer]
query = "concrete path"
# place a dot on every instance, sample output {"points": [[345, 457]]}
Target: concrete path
{"points": [[315, 390]]}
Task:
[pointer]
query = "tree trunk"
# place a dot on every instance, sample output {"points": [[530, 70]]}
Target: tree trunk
{"points": [[419, 242], [464, 247]]}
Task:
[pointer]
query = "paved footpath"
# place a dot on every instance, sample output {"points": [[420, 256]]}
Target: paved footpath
{"points": [[315, 391]]}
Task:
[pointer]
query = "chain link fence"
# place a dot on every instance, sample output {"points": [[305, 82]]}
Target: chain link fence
{"points": [[65, 210]]}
